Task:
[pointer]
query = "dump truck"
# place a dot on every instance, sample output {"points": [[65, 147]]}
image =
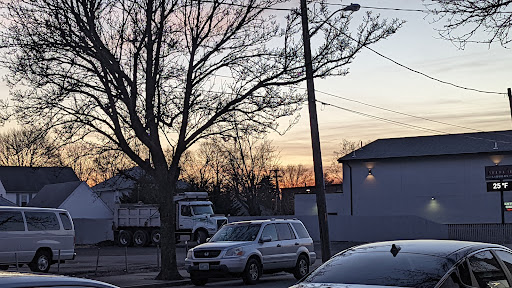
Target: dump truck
{"points": [[139, 224]]}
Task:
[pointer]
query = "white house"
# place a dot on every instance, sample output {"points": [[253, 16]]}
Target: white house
{"points": [[91, 216], [20, 184]]}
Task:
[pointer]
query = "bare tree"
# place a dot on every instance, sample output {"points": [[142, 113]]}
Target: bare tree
{"points": [[29, 147], [473, 21], [296, 176], [141, 72], [249, 161], [345, 147], [92, 164]]}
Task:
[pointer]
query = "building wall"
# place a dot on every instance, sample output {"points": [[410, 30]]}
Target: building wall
{"points": [[442, 189], [83, 203]]}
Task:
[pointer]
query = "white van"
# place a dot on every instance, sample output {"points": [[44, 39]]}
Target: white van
{"points": [[37, 237]]}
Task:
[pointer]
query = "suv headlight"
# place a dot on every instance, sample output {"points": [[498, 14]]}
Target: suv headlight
{"points": [[190, 253], [235, 252]]}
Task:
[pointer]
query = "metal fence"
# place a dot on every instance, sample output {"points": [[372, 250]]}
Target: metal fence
{"points": [[491, 233]]}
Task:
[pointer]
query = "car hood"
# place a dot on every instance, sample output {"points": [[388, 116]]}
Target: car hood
{"points": [[336, 285], [221, 245]]}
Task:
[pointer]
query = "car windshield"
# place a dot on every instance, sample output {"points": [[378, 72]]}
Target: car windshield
{"points": [[382, 269], [202, 210], [238, 232]]}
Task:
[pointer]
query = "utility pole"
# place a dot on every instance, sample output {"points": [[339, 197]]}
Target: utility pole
{"points": [[279, 200], [510, 99], [315, 139]]}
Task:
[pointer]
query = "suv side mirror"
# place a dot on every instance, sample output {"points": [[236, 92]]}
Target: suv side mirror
{"points": [[264, 239]]}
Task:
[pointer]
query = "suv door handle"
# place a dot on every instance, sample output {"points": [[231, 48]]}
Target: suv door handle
{"points": [[296, 244], [278, 245]]}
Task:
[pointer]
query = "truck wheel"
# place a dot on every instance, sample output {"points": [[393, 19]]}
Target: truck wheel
{"points": [[252, 272], [155, 237], [301, 268], [124, 238], [41, 262], [140, 238], [198, 281], [200, 236]]}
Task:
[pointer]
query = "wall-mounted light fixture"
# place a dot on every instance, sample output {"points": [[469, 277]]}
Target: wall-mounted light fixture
{"points": [[433, 198], [369, 171]]}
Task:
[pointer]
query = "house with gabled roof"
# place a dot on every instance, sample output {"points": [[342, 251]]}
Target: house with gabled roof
{"points": [[126, 181], [91, 216], [20, 184]]}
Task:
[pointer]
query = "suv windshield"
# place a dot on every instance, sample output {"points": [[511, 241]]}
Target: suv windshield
{"points": [[382, 269], [202, 210], [239, 232]]}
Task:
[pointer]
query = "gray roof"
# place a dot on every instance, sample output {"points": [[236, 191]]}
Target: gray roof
{"points": [[53, 195], [32, 179], [450, 144], [127, 180], [5, 202]]}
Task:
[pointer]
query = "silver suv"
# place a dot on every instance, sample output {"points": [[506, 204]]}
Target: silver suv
{"points": [[249, 248]]}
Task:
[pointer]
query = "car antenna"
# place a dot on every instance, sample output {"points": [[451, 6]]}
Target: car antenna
{"points": [[395, 249]]}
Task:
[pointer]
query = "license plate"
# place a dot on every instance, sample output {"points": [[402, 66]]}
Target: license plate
{"points": [[204, 266]]}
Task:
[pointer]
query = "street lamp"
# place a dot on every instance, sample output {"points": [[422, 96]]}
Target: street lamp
{"points": [[315, 137]]}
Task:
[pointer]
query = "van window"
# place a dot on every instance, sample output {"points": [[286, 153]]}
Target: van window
{"points": [[40, 221], [11, 221], [66, 222]]}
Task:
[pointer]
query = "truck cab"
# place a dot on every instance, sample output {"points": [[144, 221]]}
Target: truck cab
{"points": [[195, 216]]}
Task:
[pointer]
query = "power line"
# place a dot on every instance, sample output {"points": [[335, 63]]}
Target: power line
{"points": [[406, 125], [398, 112]]}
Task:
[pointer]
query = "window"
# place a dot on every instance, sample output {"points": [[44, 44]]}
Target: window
{"points": [[465, 275], [270, 230], [185, 211], [450, 282], [506, 258], [368, 267], [301, 230], [66, 222], [40, 221], [11, 221], [284, 231], [487, 271]]}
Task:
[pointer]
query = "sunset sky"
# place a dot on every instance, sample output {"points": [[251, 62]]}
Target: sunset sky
{"points": [[377, 81], [374, 81]]}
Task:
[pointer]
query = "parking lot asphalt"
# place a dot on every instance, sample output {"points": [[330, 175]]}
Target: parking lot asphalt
{"points": [[135, 267]]}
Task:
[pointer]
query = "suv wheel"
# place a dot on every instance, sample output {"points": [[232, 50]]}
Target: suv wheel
{"points": [[252, 271], [301, 268]]}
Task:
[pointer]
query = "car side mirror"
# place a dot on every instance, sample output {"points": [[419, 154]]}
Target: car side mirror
{"points": [[208, 239], [264, 239]]}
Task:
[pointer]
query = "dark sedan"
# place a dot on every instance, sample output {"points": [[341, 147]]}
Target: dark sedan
{"points": [[26, 280], [416, 263]]}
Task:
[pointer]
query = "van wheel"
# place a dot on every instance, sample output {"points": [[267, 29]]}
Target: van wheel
{"points": [[252, 272], [41, 262], [201, 237], [4, 267], [301, 268], [140, 238], [124, 238], [155, 237]]}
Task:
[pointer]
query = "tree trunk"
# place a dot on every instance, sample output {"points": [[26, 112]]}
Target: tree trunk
{"points": [[167, 209]]}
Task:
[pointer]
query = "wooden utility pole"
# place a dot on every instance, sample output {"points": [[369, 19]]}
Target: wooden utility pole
{"points": [[509, 91], [315, 139], [279, 199]]}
